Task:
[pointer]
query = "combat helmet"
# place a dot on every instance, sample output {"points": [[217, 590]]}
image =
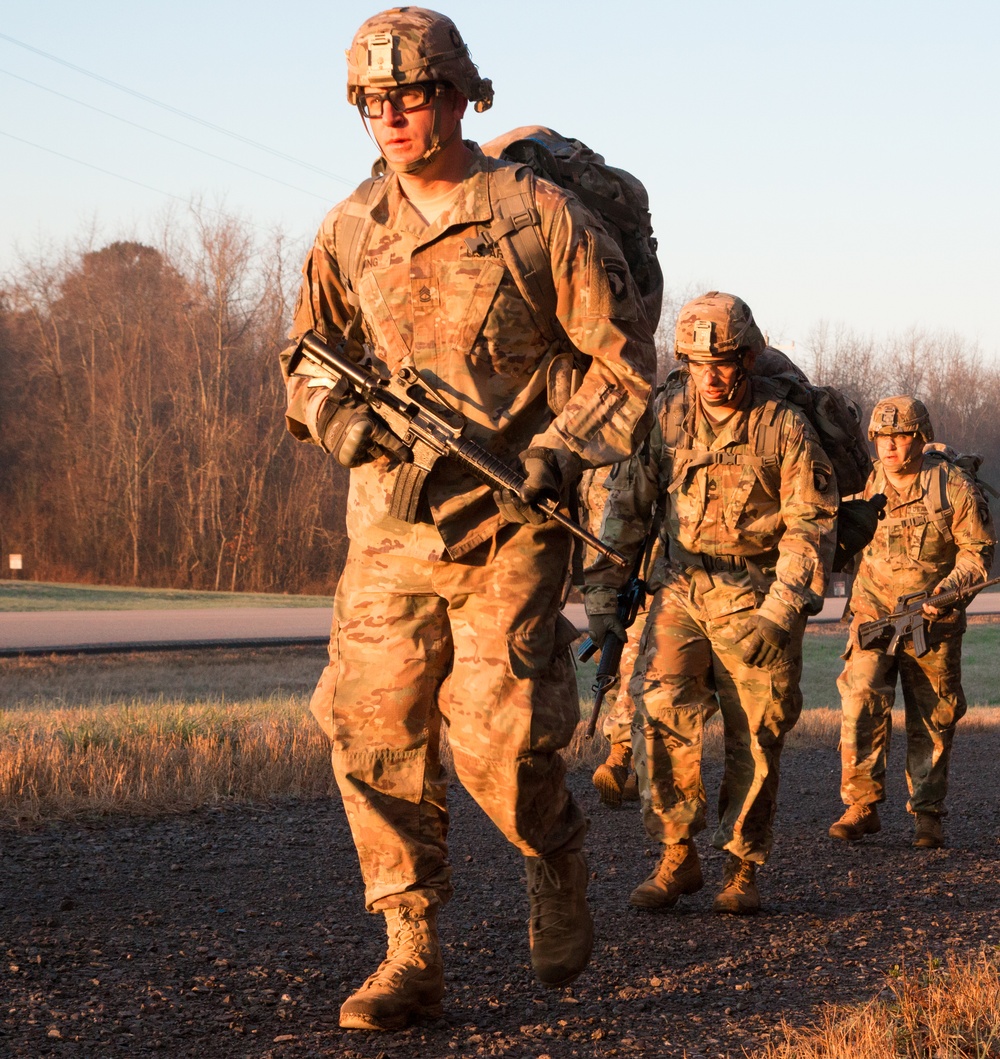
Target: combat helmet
{"points": [[717, 326], [405, 45], [900, 415]]}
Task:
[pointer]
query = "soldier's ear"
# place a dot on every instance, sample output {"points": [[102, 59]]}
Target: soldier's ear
{"points": [[457, 103], [749, 359]]}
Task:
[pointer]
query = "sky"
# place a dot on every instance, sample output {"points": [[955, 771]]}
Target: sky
{"points": [[830, 162]]}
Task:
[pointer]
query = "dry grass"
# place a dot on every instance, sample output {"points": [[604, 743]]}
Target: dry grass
{"points": [[949, 1010], [74, 763], [153, 733]]}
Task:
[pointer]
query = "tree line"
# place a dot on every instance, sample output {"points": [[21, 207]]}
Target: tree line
{"points": [[142, 437]]}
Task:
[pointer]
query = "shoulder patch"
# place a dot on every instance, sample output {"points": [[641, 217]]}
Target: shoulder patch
{"points": [[617, 273]]}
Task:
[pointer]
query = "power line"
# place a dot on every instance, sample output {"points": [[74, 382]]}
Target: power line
{"points": [[164, 136], [177, 111], [111, 173]]}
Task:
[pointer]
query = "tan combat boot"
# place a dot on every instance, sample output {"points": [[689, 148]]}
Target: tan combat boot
{"points": [[560, 929], [929, 834], [857, 821], [679, 872], [408, 984], [611, 777], [739, 895]]}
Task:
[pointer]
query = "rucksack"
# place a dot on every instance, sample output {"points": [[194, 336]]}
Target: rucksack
{"points": [[938, 455], [615, 197], [833, 415]]}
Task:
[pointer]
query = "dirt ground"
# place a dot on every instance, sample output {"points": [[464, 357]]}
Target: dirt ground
{"points": [[239, 932]]}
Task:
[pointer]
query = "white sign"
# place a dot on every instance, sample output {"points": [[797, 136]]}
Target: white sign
{"points": [[15, 561]]}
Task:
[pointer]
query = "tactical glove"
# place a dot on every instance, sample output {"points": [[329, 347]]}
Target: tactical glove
{"points": [[353, 434], [546, 474], [768, 644], [599, 625]]}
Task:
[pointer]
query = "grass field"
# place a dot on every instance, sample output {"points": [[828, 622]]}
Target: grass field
{"points": [[40, 595], [153, 732]]}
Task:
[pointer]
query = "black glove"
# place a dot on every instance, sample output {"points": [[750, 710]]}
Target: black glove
{"points": [[354, 434], [767, 645], [544, 480], [599, 625]]}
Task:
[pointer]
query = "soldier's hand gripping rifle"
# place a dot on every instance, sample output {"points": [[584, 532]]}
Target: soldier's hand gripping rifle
{"points": [[908, 618], [631, 597], [429, 429]]}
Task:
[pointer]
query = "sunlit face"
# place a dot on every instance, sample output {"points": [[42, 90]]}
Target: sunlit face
{"points": [[899, 453], [405, 136], [714, 380]]}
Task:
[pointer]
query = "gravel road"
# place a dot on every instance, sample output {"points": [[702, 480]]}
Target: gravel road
{"points": [[239, 932]]}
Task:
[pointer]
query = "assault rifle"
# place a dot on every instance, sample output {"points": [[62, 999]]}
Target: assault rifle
{"points": [[430, 429], [908, 617], [631, 597]]}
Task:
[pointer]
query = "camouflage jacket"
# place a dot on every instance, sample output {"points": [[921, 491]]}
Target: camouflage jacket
{"points": [[919, 546], [762, 489], [429, 301]]}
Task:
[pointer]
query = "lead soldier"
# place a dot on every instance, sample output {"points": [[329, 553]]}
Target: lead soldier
{"points": [[447, 612]]}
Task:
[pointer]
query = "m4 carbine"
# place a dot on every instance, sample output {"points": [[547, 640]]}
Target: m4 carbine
{"points": [[908, 618], [630, 600], [430, 429]]}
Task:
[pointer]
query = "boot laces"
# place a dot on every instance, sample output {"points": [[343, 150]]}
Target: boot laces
{"points": [[402, 955], [547, 906], [742, 876]]}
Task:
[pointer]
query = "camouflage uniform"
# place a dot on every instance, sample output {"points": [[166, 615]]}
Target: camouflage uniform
{"points": [[455, 619], [911, 552], [748, 529]]}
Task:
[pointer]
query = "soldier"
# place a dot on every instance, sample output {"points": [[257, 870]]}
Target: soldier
{"points": [[452, 618], [615, 778], [937, 536], [749, 502]]}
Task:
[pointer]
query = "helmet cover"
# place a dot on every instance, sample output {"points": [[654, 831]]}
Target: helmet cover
{"points": [[408, 44], [900, 415], [717, 326]]}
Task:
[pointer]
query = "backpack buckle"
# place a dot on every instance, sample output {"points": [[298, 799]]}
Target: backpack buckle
{"points": [[480, 244]]}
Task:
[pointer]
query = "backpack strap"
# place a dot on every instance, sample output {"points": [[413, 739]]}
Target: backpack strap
{"points": [[353, 227], [517, 228], [684, 458], [938, 509], [767, 432]]}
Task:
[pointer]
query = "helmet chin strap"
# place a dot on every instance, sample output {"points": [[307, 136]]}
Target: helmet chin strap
{"points": [[738, 381]]}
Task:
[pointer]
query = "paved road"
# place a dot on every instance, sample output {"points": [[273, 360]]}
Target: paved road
{"points": [[42, 632], [95, 631]]}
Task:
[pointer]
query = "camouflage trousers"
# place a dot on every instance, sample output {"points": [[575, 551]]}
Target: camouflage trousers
{"points": [[691, 665], [477, 645], [933, 701]]}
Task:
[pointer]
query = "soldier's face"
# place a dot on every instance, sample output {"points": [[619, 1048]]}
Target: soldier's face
{"points": [[714, 381], [406, 136], [899, 453]]}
